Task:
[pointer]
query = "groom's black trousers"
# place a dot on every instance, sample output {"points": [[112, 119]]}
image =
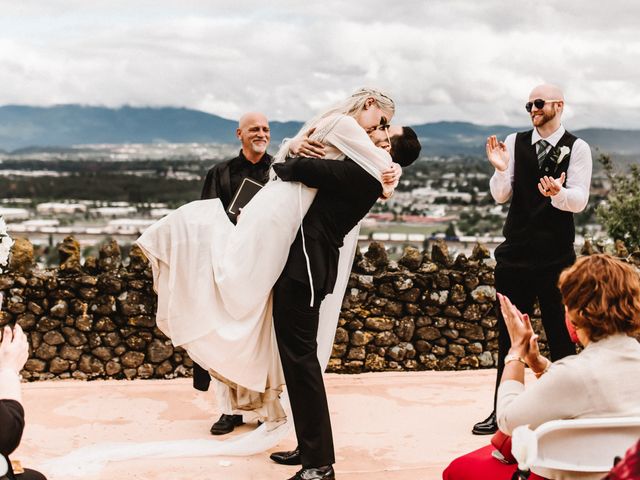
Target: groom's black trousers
{"points": [[296, 326]]}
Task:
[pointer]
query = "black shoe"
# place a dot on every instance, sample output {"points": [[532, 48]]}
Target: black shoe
{"points": [[488, 426], [318, 473], [226, 424], [287, 458]]}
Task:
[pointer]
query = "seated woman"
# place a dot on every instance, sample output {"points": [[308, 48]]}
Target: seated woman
{"points": [[14, 351], [602, 300]]}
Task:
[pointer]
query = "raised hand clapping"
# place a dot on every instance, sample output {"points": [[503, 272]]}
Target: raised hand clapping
{"points": [[497, 153], [549, 186], [14, 349]]}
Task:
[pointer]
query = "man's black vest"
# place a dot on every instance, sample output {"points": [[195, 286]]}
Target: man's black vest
{"points": [[537, 235]]}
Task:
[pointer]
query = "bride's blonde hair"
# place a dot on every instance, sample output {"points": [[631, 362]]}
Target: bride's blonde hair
{"points": [[351, 106]]}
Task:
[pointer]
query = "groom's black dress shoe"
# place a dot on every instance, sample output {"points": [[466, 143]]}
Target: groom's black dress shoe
{"points": [[488, 426], [318, 473], [287, 458], [226, 424]]}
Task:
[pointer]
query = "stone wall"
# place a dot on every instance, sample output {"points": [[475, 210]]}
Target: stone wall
{"points": [[96, 320], [424, 312]]}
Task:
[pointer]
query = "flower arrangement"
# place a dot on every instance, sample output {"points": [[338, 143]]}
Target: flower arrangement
{"points": [[5, 244]]}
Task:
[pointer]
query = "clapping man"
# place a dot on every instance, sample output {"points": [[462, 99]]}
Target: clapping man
{"points": [[546, 172]]}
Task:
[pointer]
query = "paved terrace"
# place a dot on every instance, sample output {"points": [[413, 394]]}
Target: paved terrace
{"points": [[388, 426]]}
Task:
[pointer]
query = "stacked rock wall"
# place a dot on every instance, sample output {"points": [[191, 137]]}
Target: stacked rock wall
{"points": [[96, 320], [88, 321], [421, 313]]}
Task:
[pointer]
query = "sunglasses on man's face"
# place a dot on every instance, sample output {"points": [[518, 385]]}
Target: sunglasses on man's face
{"points": [[539, 104]]}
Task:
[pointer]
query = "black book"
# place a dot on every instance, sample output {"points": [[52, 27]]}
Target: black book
{"points": [[246, 191]]}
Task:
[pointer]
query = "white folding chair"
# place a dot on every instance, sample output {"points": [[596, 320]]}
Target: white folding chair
{"points": [[579, 445], [4, 466]]}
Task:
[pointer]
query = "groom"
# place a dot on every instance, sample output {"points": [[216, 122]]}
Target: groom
{"points": [[345, 194]]}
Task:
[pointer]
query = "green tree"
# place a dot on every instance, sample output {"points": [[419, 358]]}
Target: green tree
{"points": [[620, 213]]}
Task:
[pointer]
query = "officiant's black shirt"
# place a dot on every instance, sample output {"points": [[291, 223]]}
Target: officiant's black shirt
{"points": [[224, 179]]}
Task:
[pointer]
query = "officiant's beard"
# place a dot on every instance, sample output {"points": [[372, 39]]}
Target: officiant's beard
{"points": [[259, 147]]}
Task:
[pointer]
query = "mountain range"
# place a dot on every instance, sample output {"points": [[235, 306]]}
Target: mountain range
{"points": [[62, 126]]}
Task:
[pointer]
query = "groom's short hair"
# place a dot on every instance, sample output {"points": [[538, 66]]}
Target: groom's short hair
{"points": [[405, 148]]}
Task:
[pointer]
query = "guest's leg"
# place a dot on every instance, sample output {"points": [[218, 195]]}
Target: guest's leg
{"points": [[296, 326], [552, 310], [517, 285], [201, 378], [30, 475], [478, 464]]}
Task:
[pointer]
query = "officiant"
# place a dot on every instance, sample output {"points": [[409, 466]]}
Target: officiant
{"points": [[223, 181], [253, 161]]}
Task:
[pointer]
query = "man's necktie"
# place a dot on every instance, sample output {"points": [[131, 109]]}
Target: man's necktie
{"points": [[543, 148]]}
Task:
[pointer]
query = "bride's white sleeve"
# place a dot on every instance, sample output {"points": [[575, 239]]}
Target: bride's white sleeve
{"points": [[351, 139]]}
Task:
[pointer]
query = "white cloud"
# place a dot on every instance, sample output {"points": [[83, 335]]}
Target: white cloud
{"points": [[442, 59]]}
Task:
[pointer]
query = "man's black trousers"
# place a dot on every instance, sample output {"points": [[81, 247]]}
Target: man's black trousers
{"points": [[296, 326], [523, 286]]}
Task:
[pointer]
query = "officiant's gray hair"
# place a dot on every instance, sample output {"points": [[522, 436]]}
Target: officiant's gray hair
{"points": [[351, 106]]}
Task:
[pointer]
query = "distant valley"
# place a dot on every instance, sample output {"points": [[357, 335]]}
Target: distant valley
{"points": [[63, 126]]}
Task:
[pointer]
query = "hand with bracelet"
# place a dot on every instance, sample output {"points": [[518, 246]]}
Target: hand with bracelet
{"points": [[524, 343]]}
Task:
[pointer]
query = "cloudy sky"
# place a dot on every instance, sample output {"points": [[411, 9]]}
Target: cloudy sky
{"points": [[468, 60]]}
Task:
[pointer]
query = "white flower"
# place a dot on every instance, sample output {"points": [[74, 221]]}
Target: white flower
{"points": [[564, 151], [5, 244], [5, 249]]}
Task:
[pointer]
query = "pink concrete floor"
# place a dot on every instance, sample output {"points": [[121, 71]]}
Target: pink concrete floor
{"points": [[386, 425]]}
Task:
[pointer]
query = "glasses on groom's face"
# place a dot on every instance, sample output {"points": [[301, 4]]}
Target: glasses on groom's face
{"points": [[539, 104]]}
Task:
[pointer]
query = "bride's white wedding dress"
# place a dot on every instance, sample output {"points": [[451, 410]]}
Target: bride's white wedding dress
{"points": [[214, 281]]}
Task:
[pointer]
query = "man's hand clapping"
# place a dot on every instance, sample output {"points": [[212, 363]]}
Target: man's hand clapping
{"points": [[497, 153], [549, 186]]}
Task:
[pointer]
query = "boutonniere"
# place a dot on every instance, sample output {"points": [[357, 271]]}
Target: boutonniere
{"points": [[564, 151]]}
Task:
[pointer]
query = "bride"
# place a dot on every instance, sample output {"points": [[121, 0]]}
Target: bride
{"points": [[214, 279]]}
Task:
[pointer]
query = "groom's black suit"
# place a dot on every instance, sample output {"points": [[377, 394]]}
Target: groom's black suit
{"points": [[345, 194]]}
